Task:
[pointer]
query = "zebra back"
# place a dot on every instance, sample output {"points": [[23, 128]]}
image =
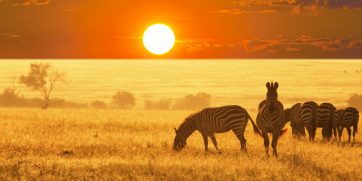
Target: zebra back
{"points": [[292, 115], [355, 113], [324, 116], [337, 117], [308, 114], [219, 119]]}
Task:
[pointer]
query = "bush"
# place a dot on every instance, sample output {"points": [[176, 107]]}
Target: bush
{"points": [[164, 104], [124, 100], [10, 98], [355, 101], [98, 105], [190, 101]]}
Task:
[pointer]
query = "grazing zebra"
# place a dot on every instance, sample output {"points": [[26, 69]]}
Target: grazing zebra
{"points": [[271, 117], [324, 120], [307, 118], [346, 118], [292, 115], [214, 120]]}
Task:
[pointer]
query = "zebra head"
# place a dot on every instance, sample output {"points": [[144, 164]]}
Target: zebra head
{"points": [[272, 94], [179, 142]]}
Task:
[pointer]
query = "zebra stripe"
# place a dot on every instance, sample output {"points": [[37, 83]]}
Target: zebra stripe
{"points": [[307, 117], [324, 119], [292, 115], [214, 120], [271, 117], [346, 118]]}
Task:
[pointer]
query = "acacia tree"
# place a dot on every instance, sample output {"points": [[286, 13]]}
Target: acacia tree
{"points": [[42, 78]]}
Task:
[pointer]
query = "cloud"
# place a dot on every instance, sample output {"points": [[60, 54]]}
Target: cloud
{"points": [[235, 11], [297, 6], [303, 46], [8, 36], [230, 11], [292, 49], [257, 45], [319, 3], [29, 2], [200, 46], [330, 3]]}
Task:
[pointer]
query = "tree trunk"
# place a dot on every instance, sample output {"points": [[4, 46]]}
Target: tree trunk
{"points": [[46, 103]]}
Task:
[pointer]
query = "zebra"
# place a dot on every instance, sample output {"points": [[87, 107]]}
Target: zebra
{"points": [[214, 120], [346, 118], [324, 120], [292, 115], [307, 118], [271, 117]]}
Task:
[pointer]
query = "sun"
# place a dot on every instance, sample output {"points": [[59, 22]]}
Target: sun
{"points": [[158, 39]]}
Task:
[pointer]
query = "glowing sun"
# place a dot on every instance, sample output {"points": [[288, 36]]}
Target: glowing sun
{"points": [[158, 39]]}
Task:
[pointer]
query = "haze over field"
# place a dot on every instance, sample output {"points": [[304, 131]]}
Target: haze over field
{"points": [[137, 144], [227, 81]]}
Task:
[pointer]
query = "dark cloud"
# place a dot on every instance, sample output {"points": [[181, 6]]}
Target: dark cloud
{"points": [[330, 3], [279, 48], [319, 3], [311, 6]]}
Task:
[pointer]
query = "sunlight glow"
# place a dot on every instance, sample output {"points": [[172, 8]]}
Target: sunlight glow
{"points": [[158, 39]]}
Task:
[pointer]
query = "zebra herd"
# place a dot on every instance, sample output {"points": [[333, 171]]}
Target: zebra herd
{"points": [[271, 118], [311, 116]]}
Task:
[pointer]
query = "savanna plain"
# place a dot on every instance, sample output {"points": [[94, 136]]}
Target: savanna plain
{"points": [[117, 144]]}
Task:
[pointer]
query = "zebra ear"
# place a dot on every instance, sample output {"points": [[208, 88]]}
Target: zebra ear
{"points": [[268, 85], [175, 130], [276, 85]]}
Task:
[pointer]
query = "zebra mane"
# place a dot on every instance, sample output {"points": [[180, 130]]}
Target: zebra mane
{"points": [[184, 129]]}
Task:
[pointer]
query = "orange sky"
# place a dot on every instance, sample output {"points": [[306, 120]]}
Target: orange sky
{"points": [[203, 28]]}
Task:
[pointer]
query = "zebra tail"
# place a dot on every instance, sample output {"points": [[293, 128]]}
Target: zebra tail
{"points": [[256, 129]]}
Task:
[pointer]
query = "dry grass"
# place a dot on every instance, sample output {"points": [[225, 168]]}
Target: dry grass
{"points": [[136, 145]]}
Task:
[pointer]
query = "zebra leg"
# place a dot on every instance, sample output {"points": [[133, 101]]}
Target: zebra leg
{"points": [[335, 133], [310, 133], [302, 131], [354, 132], [340, 130], [349, 134], [213, 139], [274, 143], [240, 135], [323, 134], [266, 142], [204, 136], [313, 130]]}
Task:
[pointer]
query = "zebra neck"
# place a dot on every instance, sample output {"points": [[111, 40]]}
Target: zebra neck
{"points": [[270, 107], [187, 128]]}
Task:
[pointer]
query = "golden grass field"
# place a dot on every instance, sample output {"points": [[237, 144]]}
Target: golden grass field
{"points": [[86, 144]]}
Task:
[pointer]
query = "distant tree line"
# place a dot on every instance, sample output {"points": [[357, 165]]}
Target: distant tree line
{"points": [[120, 100], [44, 79], [126, 100]]}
